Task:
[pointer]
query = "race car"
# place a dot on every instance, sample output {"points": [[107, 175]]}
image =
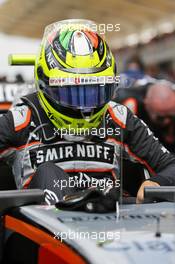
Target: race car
{"points": [[37, 233]]}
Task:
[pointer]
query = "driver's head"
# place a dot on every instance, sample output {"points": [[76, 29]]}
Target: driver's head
{"points": [[160, 102], [75, 74]]}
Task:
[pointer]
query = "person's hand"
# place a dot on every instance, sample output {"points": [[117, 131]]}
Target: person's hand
{"points": [[140, 193]]}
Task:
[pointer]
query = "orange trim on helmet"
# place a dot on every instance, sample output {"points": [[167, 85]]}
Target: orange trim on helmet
{"points": [[119, 122], [42, 238], [93, 37], [23, 125], [142, 161], [132, 104]]}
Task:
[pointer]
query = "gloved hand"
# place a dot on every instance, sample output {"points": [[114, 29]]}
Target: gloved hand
{"points": [[91, 200]]}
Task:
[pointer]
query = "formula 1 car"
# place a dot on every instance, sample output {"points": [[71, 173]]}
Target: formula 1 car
{"points": [[37, 233]]}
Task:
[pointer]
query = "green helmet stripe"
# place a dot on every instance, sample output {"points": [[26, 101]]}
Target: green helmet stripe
{"points": [[65, 38]]}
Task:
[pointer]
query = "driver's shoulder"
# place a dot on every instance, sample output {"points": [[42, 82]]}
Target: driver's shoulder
{"points": [[21, 114], [118, 113]]}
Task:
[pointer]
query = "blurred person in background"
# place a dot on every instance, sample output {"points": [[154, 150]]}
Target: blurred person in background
{"points": [[19, 78], [155, 104], [162, 71], [160, 106], [135, 67], [134, 73]]}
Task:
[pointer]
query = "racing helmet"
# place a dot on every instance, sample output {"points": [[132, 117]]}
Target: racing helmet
{"points": [[74, 74]]}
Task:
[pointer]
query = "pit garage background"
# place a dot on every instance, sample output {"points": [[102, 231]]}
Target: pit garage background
{"points": [[146, 28]]}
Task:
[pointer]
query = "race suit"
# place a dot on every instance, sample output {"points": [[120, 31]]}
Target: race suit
{"points": [[28, 139]]}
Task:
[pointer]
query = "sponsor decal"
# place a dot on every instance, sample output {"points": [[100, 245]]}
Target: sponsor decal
{"points": [[72, 152], [111, 217], [53, 81], [142, 246]]}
